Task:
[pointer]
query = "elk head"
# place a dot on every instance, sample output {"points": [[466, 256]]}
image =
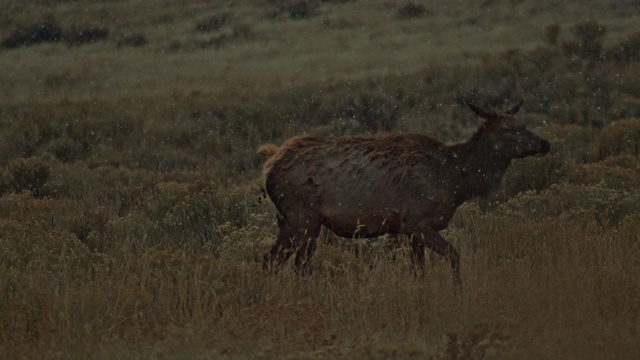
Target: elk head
{"points": [[504, 136]]}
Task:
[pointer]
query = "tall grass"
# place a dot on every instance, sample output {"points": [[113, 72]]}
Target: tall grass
{"points": [[131, 218]]}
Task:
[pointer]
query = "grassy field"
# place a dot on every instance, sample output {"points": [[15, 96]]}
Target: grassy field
{"points": [[131, 221]]}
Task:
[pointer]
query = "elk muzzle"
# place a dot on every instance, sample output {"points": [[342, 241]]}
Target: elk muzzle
{"points": [[545, 147]]}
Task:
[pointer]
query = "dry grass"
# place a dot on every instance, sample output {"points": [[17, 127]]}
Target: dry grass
{"points": [[131, 223]]}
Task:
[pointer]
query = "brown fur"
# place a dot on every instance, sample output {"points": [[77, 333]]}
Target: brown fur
{"points": [[267, 150], [398, 184]]}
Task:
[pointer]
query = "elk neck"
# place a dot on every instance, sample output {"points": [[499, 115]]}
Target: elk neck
{"points": [[476, 169]]}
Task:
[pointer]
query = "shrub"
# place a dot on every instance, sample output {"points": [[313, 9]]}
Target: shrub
{"points": [[411, 10], [198, 215], [133, 40], [620, 172], [575, 203], [44, 31], [570, 141], [302, 9], [373, 113], [551, 33], [214, 23], [590, 32], [619, 137], [48, 30], [606, 173], [627, 51], [83, 35], [296, 9], [29, 175], [67, 149], [629, 228], [625, 106], [38, 244], [588, 44]]}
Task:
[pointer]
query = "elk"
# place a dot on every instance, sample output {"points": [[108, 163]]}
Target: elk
{"points": [[406, 184]]}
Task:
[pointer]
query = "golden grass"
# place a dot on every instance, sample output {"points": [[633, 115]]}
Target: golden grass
{"points": [[545, 287], [144, 239]]}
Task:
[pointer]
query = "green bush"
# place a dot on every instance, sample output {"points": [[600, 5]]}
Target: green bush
{"points": [[192, 215], [213, 23], [551, 33], [626, 51], [411, 10], [46, 30], [29, 175], [619, 172], [579, 203], [81, 35], [588, 43], [619, 137]]}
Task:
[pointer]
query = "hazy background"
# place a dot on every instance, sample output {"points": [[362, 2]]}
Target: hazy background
{"points": [[131, 224]]}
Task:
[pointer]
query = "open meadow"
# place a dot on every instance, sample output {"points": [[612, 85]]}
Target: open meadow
{"points": [[132, 223]]}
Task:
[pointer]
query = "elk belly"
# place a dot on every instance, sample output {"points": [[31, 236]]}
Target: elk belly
{"points": [[363, 225]]}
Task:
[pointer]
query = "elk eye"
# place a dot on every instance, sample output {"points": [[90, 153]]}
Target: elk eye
{"points": [[505, 130]]}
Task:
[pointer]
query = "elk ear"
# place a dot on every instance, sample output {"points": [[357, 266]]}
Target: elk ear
{"points": [[480, 112], [514, 110]]}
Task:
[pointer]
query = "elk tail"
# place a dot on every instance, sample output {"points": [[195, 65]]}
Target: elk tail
{"points": [[268, 150]]}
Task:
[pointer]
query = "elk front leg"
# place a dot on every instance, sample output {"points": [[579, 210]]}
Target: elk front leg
{"points": [[417, 255], [437, 244], [432, 240]]}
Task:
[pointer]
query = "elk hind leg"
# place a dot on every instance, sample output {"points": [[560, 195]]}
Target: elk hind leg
{"points": [[305, 251], [282, 249]]}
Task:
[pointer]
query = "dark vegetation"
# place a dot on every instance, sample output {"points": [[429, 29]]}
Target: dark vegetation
{"points": [[131, 224], [48, 30], [411, 11]]}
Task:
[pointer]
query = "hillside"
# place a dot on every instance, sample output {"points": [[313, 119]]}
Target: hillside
{"points": [[131, 217]]}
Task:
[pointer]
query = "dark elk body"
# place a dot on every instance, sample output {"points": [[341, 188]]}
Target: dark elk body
{"points": [[398, 184]]}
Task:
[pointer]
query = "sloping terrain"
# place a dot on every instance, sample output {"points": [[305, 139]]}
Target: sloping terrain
{"points": [[131, 221]]}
